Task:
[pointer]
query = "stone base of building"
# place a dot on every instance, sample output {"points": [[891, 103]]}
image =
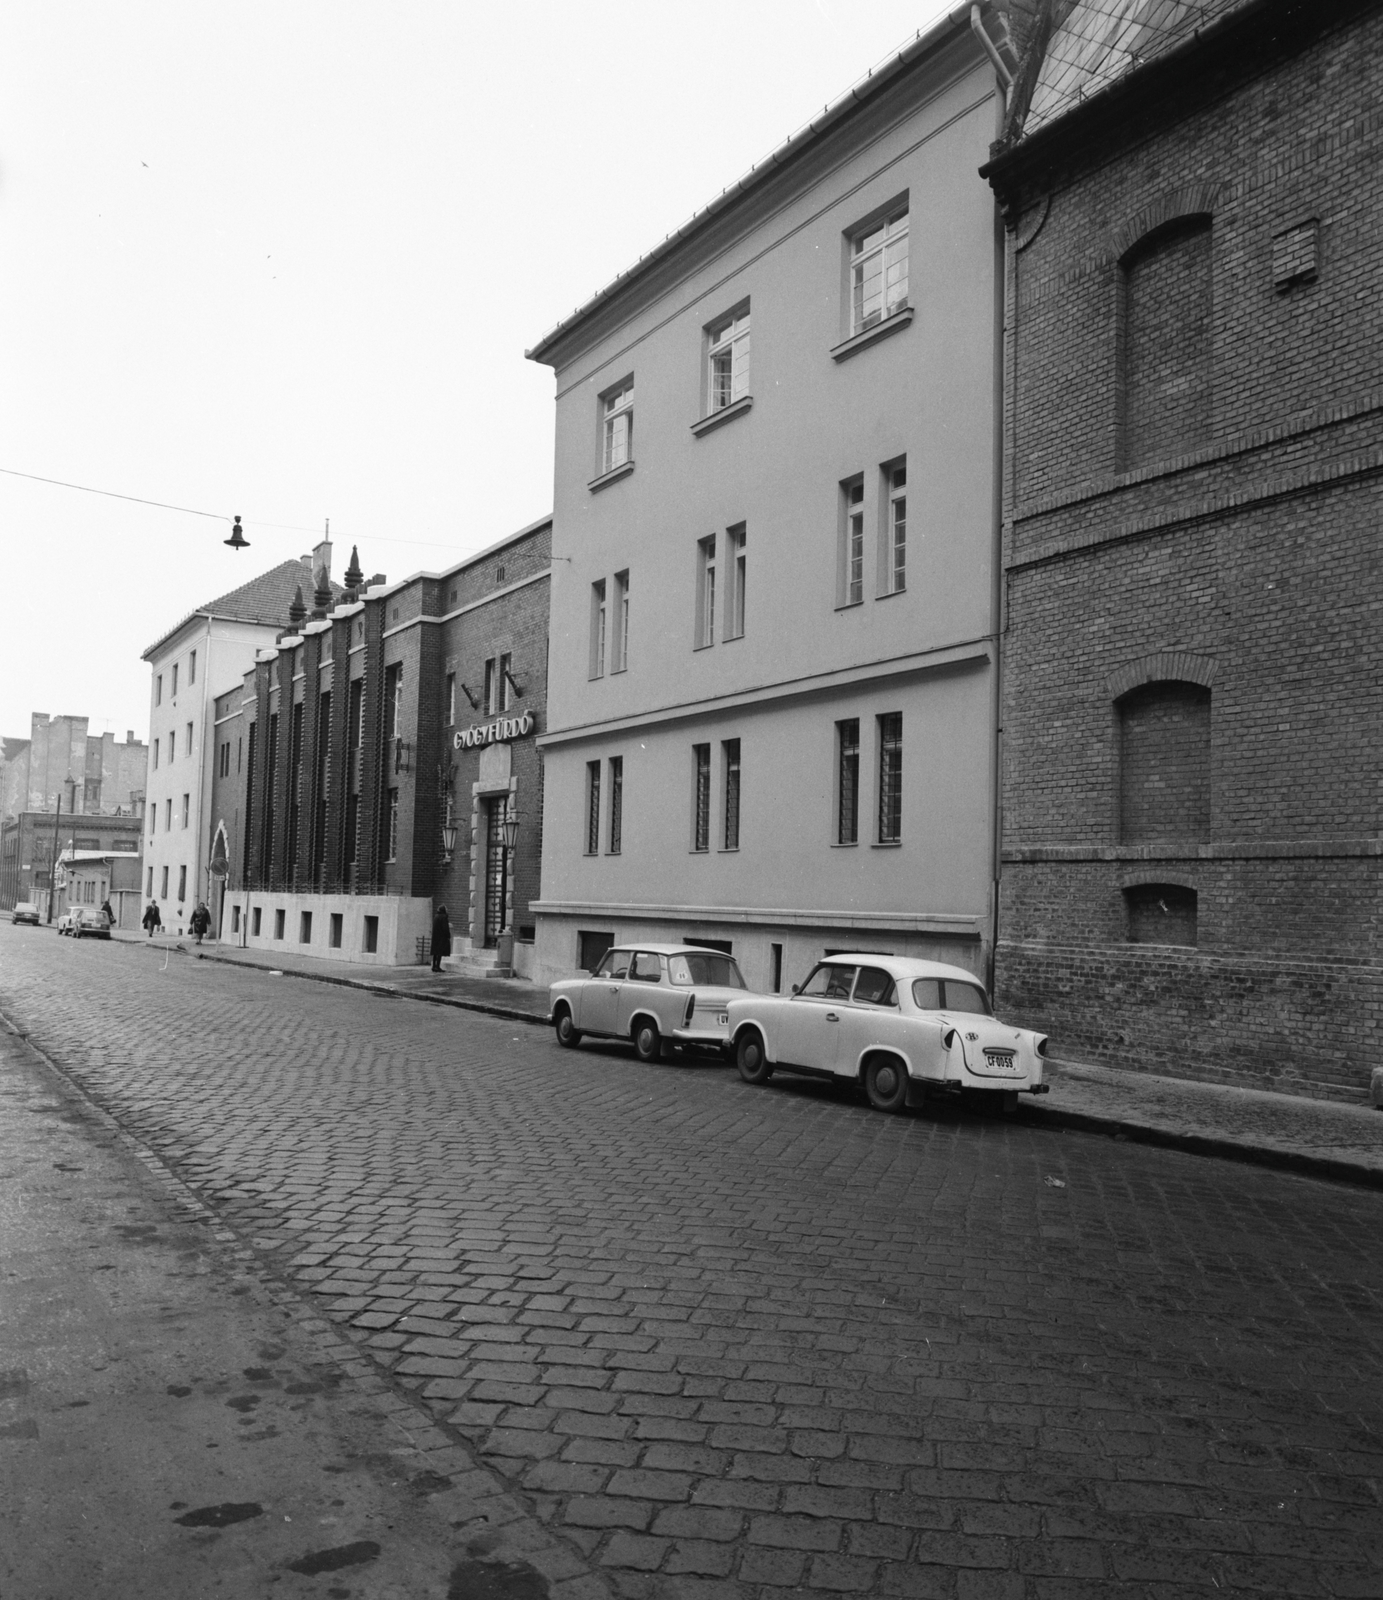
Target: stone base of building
{"points": [[1293, 1024], [770, 953], [385, 930]]}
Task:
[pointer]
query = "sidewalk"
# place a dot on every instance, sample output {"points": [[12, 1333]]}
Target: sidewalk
{"points": [[1318, 1138]]}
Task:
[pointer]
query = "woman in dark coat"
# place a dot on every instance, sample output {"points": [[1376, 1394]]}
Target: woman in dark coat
{"points": [[151, 918], [441, 938]]}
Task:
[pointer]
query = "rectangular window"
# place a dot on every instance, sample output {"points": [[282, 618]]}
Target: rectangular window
{"points": [[163, 884], [893, 562], [304, 927], [736, 539], [728, 356], [235, 919], [775, 952], [597, 661], [187, 741], [592, 808], [334, 930], [705, 591], [192, 669], [730, 757], [149, 892], [239, 745], [158, 690], [153, 819], [186, 809], [172, 746], [506, 662], [616, 804], [175, 682], [391, 853], [879, 271], [619, 644], [256, 920], [393, 700], [701, 797], [168, 814], [156, 743], [451, 698], [891, 778], [280, 917], [850, 588], [617, 427], [182, 884], [848, 781], [489, 701]]}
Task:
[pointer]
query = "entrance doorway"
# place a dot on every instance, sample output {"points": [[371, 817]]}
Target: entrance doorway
{"points": [[496, 878]]}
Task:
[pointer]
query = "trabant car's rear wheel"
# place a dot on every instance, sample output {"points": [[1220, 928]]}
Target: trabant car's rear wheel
{"points": [[648, 1042], [886, 1083], [754, 1065], [568, 1035]]}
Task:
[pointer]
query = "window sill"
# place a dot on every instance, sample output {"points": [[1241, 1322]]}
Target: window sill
{"points": [[881, 330], [849, 605], [845, 844], [736, 408], [887, 844], [728, 850], [612, 476], [888, 594], [708, 644]]}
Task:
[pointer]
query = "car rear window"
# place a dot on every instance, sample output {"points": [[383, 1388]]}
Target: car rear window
{"points": [[966, 997], [709, 968], [874, 987], [926, 994]]}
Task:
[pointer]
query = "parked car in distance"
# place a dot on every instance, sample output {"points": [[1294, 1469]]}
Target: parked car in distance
{"points": [[656, 995], [65, 919], [88, 922], [25, 911], [901, 1028]]}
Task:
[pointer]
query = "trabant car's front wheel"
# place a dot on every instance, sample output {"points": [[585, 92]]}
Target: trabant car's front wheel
{"points": [[568, 1035], [754, 1065], [648, 1043], [886, 1083]]}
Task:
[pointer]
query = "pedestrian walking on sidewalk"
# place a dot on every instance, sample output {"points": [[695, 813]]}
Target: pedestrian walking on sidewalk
{"points": [[201, 921], [107, 913], [151, 919], [441, 938]]}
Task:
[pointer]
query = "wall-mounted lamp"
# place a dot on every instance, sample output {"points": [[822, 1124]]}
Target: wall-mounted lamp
{"points": [[513, 683]]}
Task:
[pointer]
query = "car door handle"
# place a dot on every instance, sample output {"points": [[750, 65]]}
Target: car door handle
{"points": [[833, 1016]]}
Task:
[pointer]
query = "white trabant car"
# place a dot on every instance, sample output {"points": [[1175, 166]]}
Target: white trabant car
{"points": [[657, 995], [901, 1028]]}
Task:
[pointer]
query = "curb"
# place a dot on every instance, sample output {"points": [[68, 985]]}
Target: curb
{"points": [[1200, 1144]]}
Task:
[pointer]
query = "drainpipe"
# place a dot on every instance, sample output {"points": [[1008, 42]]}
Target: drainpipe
{"points": [[1001, 67]]}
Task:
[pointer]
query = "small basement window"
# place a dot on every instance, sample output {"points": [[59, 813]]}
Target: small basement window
{"points": [[1161, 913]]}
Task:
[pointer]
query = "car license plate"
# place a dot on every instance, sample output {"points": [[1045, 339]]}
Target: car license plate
{"points": [[722, 1019], [1003, 1062]]}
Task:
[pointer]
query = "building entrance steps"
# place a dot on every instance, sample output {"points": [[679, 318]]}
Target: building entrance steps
{"points": [[1322, 1138]]}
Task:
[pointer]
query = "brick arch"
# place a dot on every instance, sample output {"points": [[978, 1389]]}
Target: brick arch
{"points": [[1156, 872], [1194, 200], [1166, 666]]}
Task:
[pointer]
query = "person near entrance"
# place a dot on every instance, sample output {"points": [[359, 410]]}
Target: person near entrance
{"points": [[152, 919], [107, 913], [201, 921], [441, 938]]}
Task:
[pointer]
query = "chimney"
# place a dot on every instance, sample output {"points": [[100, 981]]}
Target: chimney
{"points": [[321, 557], [129, 735]]}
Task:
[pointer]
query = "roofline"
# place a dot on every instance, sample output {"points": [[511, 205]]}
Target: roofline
{"points": [[882, 73], [469, 561]]}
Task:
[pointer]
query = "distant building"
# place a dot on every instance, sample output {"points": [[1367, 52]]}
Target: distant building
{"points": [[96, 878], [205, 655], [1193, 706], [775, 579], [29, 842], [367, 729], [90, 773]]}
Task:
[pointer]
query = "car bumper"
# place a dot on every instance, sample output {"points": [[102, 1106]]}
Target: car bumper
{"points": [[701, 1038]]}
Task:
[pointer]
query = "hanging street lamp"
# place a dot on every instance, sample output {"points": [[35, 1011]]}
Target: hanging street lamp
{"points": [[237, 540]]}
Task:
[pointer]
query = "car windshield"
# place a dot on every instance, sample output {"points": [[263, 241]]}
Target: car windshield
{"points": [[706, 967], [614, 965]]}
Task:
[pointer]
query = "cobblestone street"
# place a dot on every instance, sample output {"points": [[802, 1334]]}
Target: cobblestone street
{"points": [[734, 1342]]}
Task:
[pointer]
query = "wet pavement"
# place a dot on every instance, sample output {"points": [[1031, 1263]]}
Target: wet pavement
{"points": [[726, 1343]]}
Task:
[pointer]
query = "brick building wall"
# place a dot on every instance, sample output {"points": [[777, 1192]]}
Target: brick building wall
{"points": [[1193, 679]]}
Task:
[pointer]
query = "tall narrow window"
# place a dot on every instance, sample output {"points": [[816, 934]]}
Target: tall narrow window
{"points": [[187, 739], [848, 781], [736, 540], [617, 427], [155, 755], [619, 644], [295, 784], [149, 892], [592, 808], [192, 669], [392, 827], [182, 884], [186, 809], [1165, 355], [158, 690], [1164, 763], [172, 745], [728, 377], [851, 585], [175, 680], [701, 797], [323, 783], [894, 566], [705, 591], [506, 661], [616, 804], [730, 755], [163, 884], [168, 815], [879, 271], [596, 668], [393, 700], [891, 778], [451, 698], [490, 689]]}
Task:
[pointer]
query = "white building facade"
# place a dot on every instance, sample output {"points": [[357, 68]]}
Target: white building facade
{"points": [[773, 640]]}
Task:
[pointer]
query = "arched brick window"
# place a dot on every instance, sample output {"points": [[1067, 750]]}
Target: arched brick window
{"points": [[1164, 763], [1164, 354], [1161, 913]]}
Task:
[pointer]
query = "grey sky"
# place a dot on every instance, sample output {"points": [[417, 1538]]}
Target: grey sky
{"points": [[284, 260]]}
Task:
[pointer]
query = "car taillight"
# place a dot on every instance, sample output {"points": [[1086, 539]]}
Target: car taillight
{"points": [[1042, 1045], [948, 1039], [691, 1006]]}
